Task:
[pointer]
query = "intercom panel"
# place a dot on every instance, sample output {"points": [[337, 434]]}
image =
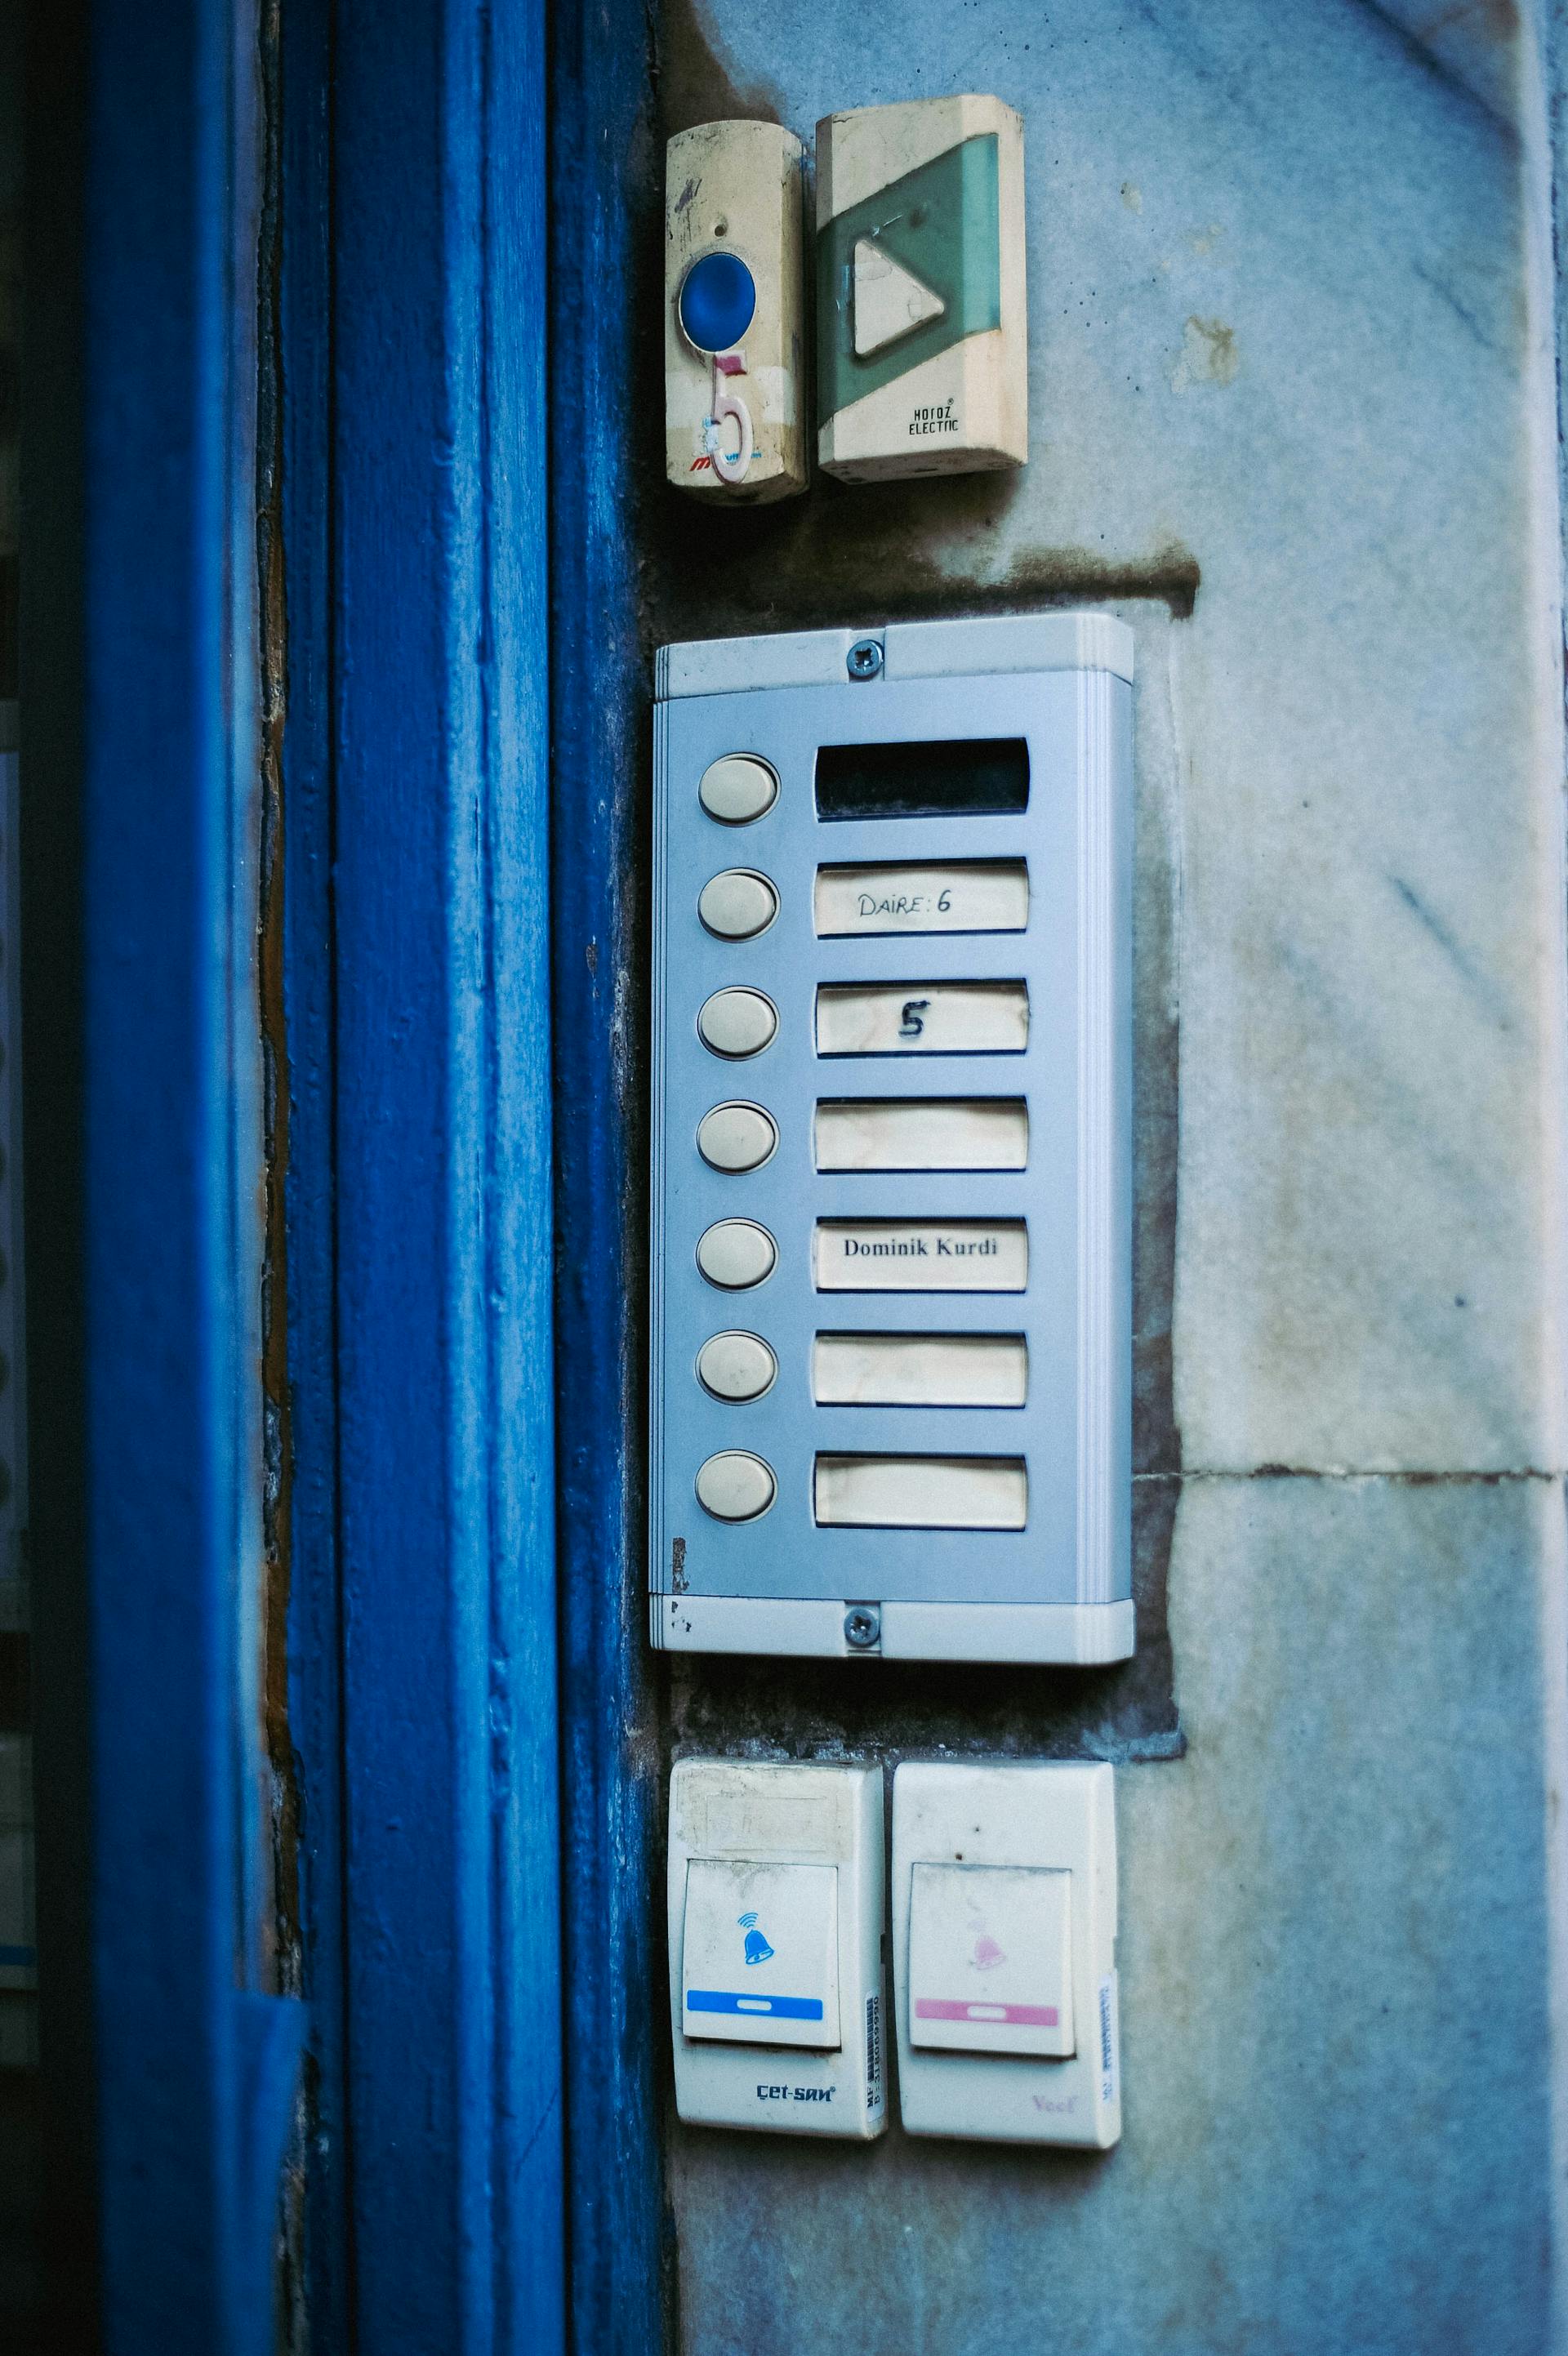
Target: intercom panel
{"points": [[890, 1390]]}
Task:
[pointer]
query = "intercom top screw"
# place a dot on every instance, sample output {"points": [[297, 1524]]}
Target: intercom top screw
{"points": [[863, 1626], [864, 659]]}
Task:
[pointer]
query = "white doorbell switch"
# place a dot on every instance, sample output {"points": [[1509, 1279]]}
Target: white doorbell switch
{"points": [[787, 1992], [922, 332], [734, 398], [776, 1946], [1004, 1953], [990, 1959]]}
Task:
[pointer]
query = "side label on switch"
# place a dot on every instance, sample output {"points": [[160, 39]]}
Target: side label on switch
{"points": [[1110, 2042]]}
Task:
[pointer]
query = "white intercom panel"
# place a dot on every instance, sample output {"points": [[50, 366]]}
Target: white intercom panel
{"points": [[890, 1390]]}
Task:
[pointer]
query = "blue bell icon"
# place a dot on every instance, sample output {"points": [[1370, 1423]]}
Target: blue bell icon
{"points": [[757, 1947]]}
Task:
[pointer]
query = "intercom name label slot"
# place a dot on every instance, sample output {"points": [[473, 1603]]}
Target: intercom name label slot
{"points": [[923, 1018], [922, 1133], [922, 1254], [922, 1493], [920, 1370], [957, 895]]}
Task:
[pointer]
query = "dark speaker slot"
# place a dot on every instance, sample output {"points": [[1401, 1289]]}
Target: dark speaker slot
{"points": [[969, 777]]}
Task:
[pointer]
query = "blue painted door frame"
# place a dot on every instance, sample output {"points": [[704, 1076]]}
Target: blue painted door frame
{"points": [[475, 2143], [161, 2033], [423, 1638], [464, 201], [606, 182]]}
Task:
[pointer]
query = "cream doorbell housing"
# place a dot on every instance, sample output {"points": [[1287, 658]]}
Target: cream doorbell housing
{"points": [[1004, 1953], [734, 406], [922, 327], [776, 1920], [890, 1388]]}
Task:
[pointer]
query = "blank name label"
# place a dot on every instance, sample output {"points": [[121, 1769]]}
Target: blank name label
{"points": [[923, 1018], [922, 1133], [922, 1256], [922, 1492], [961, 895], [920, 1370]]}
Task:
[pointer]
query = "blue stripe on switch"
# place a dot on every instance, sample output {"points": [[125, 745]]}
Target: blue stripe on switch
{"points": [[763, 2008]]}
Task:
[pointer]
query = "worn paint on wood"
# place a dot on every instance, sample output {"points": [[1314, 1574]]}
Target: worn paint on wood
{"points": [[424, 1605]]}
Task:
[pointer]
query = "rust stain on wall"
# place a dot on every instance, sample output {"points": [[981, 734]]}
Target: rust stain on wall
{"points": [[693, 84], [886, 553]]}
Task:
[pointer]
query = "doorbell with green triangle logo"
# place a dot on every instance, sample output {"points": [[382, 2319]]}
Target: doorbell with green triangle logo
{"points": [[922, 333]]}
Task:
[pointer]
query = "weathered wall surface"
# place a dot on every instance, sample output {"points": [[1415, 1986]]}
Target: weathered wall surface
{"points": [[1293, 415]]}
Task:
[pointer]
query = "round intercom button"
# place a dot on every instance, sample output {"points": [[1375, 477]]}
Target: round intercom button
{"points": [[735, 1486], [735, 1254], [737, 1137], [738, 789], [736, 1366], [736, 1023], [738, 904], [717, 302]]}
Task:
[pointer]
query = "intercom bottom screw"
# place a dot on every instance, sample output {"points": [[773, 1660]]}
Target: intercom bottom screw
{"points": [[863, 1626], [864, 659]]}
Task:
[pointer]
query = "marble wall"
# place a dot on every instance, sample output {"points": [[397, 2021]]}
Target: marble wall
{"points": [[1293, 416]]}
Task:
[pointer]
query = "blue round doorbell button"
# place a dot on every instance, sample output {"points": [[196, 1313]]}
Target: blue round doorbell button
{"points": [[717, 302]]}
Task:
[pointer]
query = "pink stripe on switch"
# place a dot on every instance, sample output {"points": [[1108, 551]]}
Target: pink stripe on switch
{"points": [[1017, 2016]]}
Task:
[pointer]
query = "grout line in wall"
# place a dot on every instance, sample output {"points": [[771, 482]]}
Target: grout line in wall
{"points": [[1417, 1477]]}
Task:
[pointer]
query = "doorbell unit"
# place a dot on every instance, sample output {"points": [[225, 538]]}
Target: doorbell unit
{"points": [[734, 402], [922, 326]]}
